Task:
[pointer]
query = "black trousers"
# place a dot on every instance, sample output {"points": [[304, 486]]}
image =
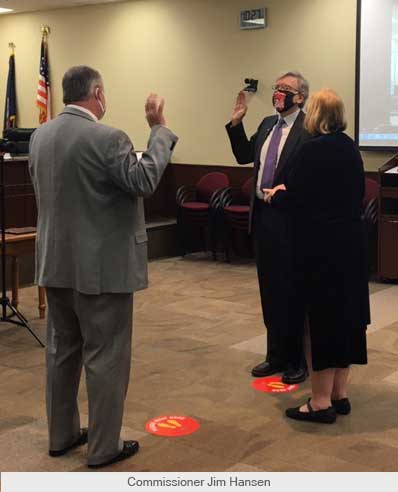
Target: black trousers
{"points": [[283, 316]]}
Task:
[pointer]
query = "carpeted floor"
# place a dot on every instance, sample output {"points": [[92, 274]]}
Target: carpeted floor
{"points": [[197, 333]]}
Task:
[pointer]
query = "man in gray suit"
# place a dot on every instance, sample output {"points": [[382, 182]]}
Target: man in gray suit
{"points": [[91, 255]]}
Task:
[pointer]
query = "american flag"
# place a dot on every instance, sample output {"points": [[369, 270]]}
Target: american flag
{"points": [[43, 89]]}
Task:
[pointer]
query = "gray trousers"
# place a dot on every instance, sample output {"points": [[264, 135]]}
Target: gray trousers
{"points": [[93, 331]]}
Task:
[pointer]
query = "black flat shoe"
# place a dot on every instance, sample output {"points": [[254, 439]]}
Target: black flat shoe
{"points": [[324, 416], [129, 449], [342, 406], [79, 442], [294, 376], [265, 369]]}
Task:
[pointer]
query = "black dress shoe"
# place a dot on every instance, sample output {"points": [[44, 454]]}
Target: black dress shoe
{"points": [[265, 369], [294, 376], [79, 442], [342, 406], [326, 416], [129, 449]]}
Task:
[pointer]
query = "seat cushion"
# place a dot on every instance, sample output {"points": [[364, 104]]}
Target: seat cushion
{"points": [[237, 209], [195, 206]]}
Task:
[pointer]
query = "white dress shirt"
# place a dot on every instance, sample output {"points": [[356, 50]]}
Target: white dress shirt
{"points": [[85, 110], [287, 126]]}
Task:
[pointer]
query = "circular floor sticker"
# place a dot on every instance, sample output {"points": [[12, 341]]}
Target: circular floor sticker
{"points": [[172, 426], [273, 384]]}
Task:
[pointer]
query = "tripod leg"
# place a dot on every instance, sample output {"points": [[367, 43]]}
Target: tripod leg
{"points": [[14, 281], [24, 323], [16, 313]]}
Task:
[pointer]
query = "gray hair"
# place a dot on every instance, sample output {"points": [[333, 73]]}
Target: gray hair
{"points": [[79, 82], [304, 86]]}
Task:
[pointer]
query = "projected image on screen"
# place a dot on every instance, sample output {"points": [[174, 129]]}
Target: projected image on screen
{"points": [[378, 74]]}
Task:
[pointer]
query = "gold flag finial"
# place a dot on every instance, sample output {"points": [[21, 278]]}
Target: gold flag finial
{"points": [[12, 47], [45, 30]]}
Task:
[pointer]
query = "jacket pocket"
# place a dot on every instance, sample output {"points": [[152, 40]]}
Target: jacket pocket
{"points": [[141, 237]]}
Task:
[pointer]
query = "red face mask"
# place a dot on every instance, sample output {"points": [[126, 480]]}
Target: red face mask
{"points": [[283, 100]]}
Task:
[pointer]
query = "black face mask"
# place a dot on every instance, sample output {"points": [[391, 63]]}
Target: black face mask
{"points": [[283, 100]]}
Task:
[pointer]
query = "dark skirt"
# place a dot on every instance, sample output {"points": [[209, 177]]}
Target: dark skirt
{"points": [[331, 272]]}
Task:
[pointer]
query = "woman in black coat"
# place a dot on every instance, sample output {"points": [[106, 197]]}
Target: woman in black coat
{"points": [[324, 196]]}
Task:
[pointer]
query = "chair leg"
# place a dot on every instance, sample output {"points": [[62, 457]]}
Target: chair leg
{"points": [[228, 243], [225, 242], [227, 255], [213, 242], [213, 236], [181, 235], [182, 242], [203, 238]]}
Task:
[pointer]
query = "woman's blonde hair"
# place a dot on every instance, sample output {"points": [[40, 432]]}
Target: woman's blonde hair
{"points": [[325, 113]]}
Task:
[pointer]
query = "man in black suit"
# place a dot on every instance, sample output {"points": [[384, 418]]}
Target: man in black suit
{"points": [[273, 149]]}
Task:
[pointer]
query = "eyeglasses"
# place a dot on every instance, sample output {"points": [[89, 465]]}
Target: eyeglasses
{"points": [[284, 87]]}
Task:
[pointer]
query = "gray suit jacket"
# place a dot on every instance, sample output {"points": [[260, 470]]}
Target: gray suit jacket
{"points": [[89, 188]]}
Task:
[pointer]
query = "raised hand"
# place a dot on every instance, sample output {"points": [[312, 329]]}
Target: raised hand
{"points": [[240, 109], [154, 110]]}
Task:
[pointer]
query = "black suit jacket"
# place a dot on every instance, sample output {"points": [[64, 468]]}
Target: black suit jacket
{"points": [[247, 151]]}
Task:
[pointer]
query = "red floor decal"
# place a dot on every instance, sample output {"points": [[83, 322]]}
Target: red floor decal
{"points": [[172, 426], [273, 385]]}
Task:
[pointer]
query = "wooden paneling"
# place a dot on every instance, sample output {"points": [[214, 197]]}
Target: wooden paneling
{"points": [[388, 260], [388, 233], [21, 206], [388, 221]]}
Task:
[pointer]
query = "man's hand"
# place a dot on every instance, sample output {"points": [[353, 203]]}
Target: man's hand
{"points": [[154, 110], [270, 192], [240, 109]]}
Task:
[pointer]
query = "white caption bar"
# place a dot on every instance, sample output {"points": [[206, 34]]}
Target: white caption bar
{"points": [[161, 482]]}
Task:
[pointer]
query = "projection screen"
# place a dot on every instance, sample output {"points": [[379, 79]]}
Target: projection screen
{"points": [[377, 75]]}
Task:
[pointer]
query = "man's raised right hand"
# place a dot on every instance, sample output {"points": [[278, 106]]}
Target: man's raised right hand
{"points": [[154, 110], [240, 109]]}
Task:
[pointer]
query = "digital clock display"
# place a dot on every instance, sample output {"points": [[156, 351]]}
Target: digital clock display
{"points": [[253, 19]]}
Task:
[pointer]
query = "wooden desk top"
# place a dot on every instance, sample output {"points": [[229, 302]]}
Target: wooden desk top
{"points": [[16, 238]]}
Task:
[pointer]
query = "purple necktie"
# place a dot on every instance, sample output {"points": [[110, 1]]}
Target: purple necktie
{"points": [[271, 158]]}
